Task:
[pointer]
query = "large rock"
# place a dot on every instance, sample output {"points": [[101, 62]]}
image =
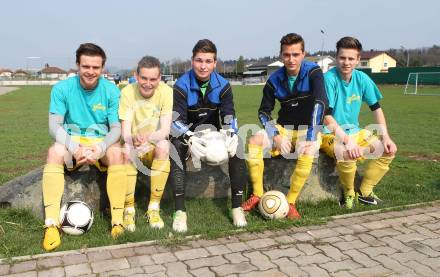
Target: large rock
{"points": [[88, 184]]}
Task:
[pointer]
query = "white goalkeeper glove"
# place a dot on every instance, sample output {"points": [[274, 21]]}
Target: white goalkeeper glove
{"points": [[231, 141], [197, 146]]}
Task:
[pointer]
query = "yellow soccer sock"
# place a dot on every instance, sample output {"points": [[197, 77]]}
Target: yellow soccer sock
{"points": [[347, 172], [160, 169], [374, 172], [255, 166], [131, 185], [116, 188], [299, 177], [53, 188]]}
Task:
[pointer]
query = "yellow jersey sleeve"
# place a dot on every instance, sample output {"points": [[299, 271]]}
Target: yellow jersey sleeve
{"points": [[126, 103], [167, 103]]}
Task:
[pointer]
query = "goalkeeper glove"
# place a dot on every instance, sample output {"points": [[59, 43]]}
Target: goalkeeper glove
{"points": [[197, 146], [231, 141]]}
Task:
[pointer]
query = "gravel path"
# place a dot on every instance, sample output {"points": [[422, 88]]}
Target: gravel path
{"points": [[4, 90]]}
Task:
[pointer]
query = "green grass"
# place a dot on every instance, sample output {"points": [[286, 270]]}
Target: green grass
{"points": [[414, 177], [433, 90], [24, 136]]}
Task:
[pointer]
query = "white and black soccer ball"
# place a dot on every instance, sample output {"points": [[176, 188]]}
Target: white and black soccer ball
{"points": [[216, 150], [76, 218], [273, 205]]}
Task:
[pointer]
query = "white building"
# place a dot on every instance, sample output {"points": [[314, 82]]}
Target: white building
{"points": [[71, 73], [5, 73], [325, 62], [271, 68], [52, 72]]}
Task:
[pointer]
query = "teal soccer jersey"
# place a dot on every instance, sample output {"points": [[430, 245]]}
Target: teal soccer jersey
{"points": [[86, 113], [345, 99], [291, 80]]}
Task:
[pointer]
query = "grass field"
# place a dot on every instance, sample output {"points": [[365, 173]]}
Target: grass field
{"points": [[24, 138]]}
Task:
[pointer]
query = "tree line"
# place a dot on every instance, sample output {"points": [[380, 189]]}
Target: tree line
{"points": [[424, 56]]}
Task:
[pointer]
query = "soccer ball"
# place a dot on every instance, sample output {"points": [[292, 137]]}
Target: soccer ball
{"points": [[216, 151], [76, 218], [273, 205]]}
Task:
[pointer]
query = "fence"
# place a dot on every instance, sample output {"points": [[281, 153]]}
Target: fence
{"points": [[398, 75]]}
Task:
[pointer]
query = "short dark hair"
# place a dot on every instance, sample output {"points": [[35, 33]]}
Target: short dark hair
{"points": [[205, 46], [348, 43], [290, 39], [90, 49], [148, 62]]}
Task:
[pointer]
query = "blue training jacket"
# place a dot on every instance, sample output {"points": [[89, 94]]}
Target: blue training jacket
{"points": [[305, 104], [193, 109]]}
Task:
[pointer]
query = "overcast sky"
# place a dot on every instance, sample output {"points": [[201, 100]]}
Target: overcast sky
{"points": [[127, 30]]}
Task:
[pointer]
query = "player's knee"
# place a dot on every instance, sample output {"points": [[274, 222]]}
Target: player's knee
{"points": [[126, 158], [257, 139], [310, 150], [346, 157], [56, 153], [162, 150], [114, 154]]}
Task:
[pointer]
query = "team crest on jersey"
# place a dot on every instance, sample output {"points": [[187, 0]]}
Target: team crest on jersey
{"points": [[352, 98], [98, 107]]}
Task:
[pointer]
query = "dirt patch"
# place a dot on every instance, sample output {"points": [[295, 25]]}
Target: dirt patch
{"points": [[425, 157], [4, 90], [39, 156]]}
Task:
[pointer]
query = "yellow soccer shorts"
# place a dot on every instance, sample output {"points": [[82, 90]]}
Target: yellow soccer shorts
{"points": [[147, 158], [364, 138], [294, 136], [86, 141]]}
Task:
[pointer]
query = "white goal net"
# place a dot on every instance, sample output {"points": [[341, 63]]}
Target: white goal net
{"points": [[423, 83]]}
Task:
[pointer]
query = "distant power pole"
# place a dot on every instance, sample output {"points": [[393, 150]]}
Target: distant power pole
{"points": [[322, 50], [407, 54]]}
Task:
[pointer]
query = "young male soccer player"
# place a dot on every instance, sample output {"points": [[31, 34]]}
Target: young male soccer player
{"points": [[346, 89], [145, 111], [299, 87], [83, 120], [203, 97]]}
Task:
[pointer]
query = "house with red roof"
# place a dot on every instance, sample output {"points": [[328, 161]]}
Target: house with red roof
{"points": [[378, 61]]}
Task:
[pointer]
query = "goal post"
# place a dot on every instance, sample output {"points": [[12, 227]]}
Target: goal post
{"points": [[423, 83]]}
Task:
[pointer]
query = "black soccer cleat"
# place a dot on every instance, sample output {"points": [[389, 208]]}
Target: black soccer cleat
{"points": [[371, 199]]}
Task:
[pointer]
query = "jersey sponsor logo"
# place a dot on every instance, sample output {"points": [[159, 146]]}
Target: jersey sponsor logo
{"points": [[98, 107], [352, 98], [203, 114]]}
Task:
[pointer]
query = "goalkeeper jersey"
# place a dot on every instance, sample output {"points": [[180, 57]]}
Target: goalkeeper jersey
{"points": [[193, 108]]}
